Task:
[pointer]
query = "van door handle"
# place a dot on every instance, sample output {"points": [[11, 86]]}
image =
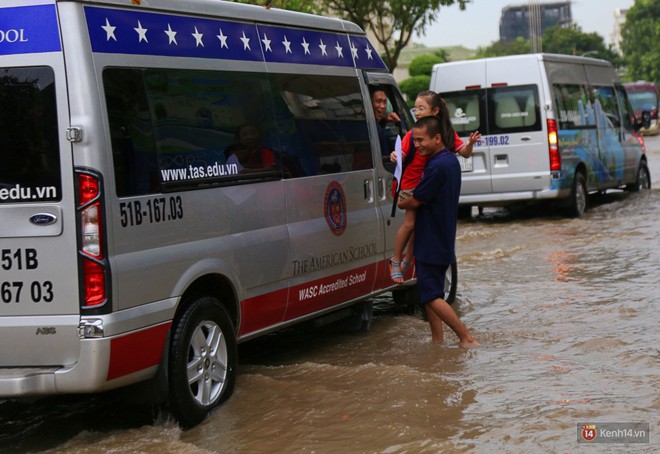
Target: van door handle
{"points": [[382, 189], [369, 191], [526, 138]]}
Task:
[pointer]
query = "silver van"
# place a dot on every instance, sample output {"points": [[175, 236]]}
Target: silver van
{"points": [[554, 127], [177, 178]]}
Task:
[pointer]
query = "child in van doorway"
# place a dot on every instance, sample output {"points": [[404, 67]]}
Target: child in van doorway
{"points": [[427, 103]]}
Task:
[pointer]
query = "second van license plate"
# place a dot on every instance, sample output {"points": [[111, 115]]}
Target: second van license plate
{"points": [[466, 163]]}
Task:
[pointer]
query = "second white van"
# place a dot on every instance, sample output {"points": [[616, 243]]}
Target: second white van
{"points": [[554, 127]]}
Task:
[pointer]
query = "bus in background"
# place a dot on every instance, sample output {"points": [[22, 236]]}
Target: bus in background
{"points": [[644, 98]]}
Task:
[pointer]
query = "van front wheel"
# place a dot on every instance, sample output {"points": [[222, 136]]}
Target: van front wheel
{"points": [[578, 201], [202, 361]]}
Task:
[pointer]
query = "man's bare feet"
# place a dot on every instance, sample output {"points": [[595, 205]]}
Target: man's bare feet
{"points": [[468, 343]]}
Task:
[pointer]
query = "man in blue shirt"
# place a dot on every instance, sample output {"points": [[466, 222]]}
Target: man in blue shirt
{"points": [[436, 202]]}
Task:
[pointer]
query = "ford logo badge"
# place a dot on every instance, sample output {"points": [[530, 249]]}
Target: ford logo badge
{"points": [[43, 219]]}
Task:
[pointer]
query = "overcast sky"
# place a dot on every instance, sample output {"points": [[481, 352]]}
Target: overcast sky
{"points": [[479, 24]]}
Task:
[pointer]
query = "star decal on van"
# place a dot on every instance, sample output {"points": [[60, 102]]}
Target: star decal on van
{"points": [[171, 35], [110, 30], [184, 36]]}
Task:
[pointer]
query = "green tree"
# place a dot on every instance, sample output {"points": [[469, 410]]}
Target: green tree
{"points": [[420, 69], [573, 41], [423, 64], [640, 37], [412, 86], [392, 22], [502, 48]]}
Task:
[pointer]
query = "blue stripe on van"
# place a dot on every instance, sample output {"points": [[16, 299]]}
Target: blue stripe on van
{"points": [[28, 30], [142, 33]]}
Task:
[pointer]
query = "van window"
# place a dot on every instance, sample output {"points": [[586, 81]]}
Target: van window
{"points": [[322, 126], [607, 106], [627, 110], [573, 105], [464, 111], [29, 151], [178, 129], [513, 109]]}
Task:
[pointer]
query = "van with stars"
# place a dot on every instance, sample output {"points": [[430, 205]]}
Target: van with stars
{"points": [[177, 178]]}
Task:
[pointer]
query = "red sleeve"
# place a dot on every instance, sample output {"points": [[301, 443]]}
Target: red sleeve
{"points": [[267, 158], [458, 143], [405, 143]]}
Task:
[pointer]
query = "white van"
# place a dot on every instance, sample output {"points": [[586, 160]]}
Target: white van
{"points": [[554, 127], [178, 177]]}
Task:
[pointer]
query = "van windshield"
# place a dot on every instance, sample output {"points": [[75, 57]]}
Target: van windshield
{"points": [[29, 152], [643, 100]]}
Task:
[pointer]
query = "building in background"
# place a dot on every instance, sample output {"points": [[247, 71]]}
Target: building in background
{"points": [[515, 20], [615, 37]]}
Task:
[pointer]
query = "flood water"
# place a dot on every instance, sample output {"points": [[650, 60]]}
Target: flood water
{"points": [[566, 312]]}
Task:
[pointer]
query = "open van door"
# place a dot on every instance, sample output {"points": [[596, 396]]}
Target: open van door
{"points": [[39, 288], [384, 169]]}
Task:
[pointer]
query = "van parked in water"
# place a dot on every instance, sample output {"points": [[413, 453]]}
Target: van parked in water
{"points": [[554, 127], [178, 177]]}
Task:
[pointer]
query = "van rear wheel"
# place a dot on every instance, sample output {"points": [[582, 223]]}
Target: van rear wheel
{"points": [[202, 361], [578, 199], [643, 180]]}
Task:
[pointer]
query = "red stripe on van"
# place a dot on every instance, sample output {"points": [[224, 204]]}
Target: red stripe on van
{"points": [[263, 311], [136, 351], [267, 310]]}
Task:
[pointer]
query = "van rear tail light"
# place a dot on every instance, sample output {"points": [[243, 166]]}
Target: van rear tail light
{"points": [[553, 146], [95, 270], [640, 139], [94, 279]]}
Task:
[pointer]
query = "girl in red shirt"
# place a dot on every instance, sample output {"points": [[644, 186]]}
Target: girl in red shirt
{"points": [[427, 103]]}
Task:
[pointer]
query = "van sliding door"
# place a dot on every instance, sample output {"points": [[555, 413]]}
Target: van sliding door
{"points": [[384, 135]]}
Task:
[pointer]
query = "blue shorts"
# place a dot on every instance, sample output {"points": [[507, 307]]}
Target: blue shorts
{"points": [[430, 281]]}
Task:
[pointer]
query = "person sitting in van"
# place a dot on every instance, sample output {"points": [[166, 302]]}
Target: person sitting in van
{"points": [[427, 103], [379, 102], [249, 151]]}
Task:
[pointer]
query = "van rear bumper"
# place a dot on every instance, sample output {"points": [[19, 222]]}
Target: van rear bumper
{"points": [[104, 363], [505, 198], [87, 375]]}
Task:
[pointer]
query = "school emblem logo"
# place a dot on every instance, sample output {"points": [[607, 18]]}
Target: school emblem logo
{"points": [[334, 206]]}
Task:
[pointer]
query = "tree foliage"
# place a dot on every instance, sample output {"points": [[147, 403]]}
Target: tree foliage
{"points": [[573, 41], [556, 40], [394, 22], [640, 37], [413, 85], [423, 64], [502, 48]]}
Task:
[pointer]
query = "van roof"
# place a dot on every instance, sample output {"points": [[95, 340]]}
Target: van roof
{"points": [[238, 11], [641, 85], [541, 57]]}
